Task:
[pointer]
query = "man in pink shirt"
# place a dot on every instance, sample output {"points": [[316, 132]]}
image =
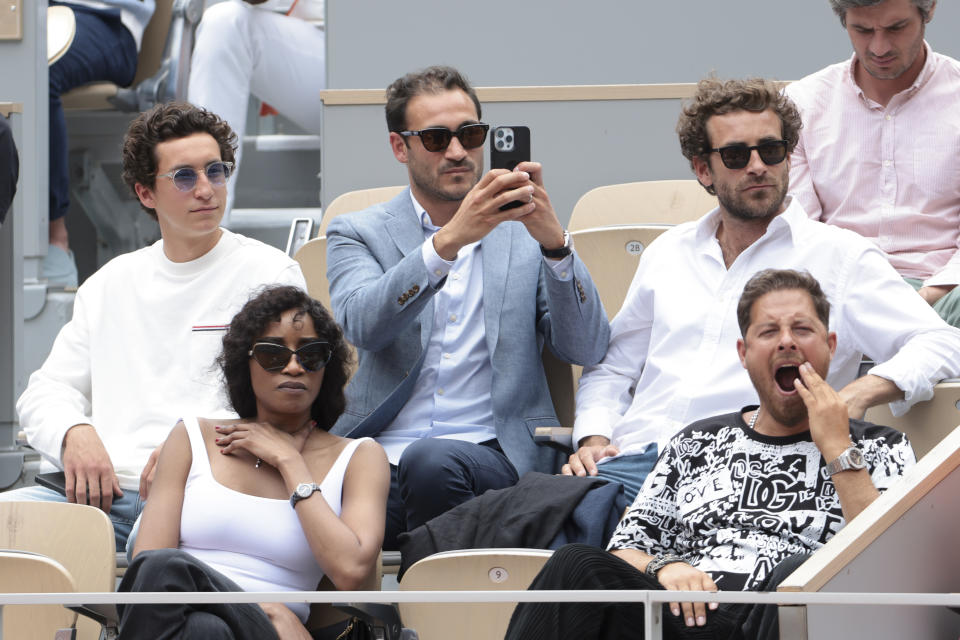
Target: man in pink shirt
{"points": [[877, 152]]}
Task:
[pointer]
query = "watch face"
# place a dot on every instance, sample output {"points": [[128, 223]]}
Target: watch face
{"points": [[856, 457], [304, 490]]}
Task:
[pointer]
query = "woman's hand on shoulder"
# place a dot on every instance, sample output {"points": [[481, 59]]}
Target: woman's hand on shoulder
{"points": [[285, 622], [262, 440]]}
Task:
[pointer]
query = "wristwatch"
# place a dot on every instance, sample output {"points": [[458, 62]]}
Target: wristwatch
{"points": [[563, 251], [852, 458], [659, 562], [303, 491]]}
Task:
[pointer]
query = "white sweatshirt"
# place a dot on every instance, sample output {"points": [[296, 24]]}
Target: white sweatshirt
{"points": [[139, 352]]}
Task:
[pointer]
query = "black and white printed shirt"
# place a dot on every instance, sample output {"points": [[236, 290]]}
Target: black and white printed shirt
{"points": [[734, 503]]}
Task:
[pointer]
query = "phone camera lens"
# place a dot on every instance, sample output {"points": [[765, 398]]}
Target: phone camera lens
{"points": [[499, 133], [509, 139]]}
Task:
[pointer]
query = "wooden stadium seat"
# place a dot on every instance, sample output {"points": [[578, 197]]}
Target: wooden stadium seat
{"points": [[650, 202], [468, 570], [24, 572], [313, 262], [77, 536], [927, 422], [355, 201], [611, 254], [904, 542]]}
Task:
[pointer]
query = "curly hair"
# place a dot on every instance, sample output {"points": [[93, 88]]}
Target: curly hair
{"points": [[249, 324], [770, 280], [167, 121], [715, 97], [840, 7], [430, 80]]}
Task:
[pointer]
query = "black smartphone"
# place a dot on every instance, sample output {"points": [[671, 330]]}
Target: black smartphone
{"points": [[509, 146], [55, 480]]}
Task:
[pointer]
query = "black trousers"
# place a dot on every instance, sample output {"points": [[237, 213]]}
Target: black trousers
{"points": [[578, 566], [175, 570]]}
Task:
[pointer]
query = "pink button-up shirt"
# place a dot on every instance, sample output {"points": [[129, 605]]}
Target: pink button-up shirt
{"points": [[892, 174]]}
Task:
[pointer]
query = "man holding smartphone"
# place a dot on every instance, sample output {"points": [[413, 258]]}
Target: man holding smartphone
{"points": [[449, 300]]}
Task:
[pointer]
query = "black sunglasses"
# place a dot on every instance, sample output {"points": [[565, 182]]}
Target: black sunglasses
{"points": [[470, 136], [737, 156], [312, 356], [185, 178]]}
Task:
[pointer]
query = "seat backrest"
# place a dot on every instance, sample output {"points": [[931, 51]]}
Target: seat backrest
{"points": [[32, 573], [355, 201], [611, 255], [312, 257], [77, 536], [927, 422], [468, 570], [654, 201]]}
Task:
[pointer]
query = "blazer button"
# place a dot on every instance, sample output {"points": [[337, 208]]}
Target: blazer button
{"points": [[401, 300], [416, 288]]}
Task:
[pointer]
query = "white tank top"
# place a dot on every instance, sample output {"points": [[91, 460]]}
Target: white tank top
{"points": [[256, 542]]}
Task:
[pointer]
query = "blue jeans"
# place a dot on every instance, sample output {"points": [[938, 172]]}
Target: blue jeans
{"points": [[102, 50], [123, 513], [437, 474], [630, 471]]}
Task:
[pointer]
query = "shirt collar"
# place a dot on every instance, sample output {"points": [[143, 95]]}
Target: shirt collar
{"points": [[786, 222], [929, 66], [425, 220]]}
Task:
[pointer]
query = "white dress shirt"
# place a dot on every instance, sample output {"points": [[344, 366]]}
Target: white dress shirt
{"points": [[451, 397], [674, 339], [889, 173]]}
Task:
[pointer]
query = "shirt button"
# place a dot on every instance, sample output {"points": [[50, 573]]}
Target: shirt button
{"points": [[453, 317], [440, 391], [456, 276], [447, 356], [889, 117], [886, 163], [437, 272], [563, 274]]}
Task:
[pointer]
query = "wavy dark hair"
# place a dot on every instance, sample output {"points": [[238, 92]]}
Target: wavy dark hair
{"points": [[717, 97], [168, 121], [250, 323], [925, 7]]}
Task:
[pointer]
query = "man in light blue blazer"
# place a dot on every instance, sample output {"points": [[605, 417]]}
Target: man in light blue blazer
{"points": [[449, 301]]}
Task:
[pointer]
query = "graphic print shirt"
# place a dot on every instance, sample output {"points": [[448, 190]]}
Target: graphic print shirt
{"points": [[734, 503]]}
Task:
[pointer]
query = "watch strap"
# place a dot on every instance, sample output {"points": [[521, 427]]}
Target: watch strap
{"points": [[561, 252]]}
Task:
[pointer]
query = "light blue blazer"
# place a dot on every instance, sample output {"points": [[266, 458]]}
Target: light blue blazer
{"points": [[382, 297]]}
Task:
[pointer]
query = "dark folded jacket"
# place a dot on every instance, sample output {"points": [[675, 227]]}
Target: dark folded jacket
{"points": [[536, 513]]}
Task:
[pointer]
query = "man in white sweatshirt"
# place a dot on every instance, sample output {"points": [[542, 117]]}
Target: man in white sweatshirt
{"points": [[139, 352]]}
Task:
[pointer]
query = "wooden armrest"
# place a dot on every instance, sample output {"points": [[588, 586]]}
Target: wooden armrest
{"points": [[560, 437]]}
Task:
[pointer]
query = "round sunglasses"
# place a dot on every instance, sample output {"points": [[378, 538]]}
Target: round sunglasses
{"points": [[737, 156], [185, 178], [312, 356], [470, 136]]}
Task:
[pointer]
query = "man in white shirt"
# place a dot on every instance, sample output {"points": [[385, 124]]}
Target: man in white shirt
{"points": [[449, 300], [671, 358], [139, 351], [877, 153]]}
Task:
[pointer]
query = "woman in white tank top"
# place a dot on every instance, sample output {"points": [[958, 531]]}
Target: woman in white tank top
{"points": [[267, 502]]}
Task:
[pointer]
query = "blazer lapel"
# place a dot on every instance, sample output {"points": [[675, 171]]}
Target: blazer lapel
{"points": [[495, 252]]}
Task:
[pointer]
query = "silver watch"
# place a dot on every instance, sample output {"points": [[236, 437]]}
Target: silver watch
{"points": [[303, 491], [852, 458]]}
